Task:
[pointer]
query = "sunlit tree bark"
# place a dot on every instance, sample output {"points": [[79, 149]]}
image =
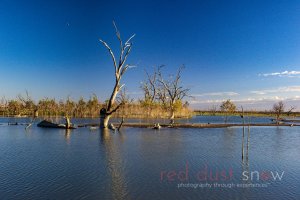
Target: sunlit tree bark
{"points": [[120, 67]]}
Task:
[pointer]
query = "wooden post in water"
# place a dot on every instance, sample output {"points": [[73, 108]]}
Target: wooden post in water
{"points": [[242, 116], [248, 138], [120, 126]]}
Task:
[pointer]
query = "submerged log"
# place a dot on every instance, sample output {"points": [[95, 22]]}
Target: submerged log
{"points": [[47, 124]]}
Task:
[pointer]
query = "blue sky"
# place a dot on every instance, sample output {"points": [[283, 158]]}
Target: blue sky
{"points": [[247, 51]]}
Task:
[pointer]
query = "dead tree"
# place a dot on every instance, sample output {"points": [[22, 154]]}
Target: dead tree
{"points": [[278, 109], [290, 111], [243, 138], [123, 100], [149, 87], [213, 110], [171, 91], [120, 67]]}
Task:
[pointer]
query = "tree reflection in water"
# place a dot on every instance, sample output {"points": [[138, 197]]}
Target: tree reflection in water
{"points": [[115, 162], [67, 135]]}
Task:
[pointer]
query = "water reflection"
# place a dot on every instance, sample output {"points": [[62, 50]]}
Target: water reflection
{"points": [[67, 135], [245, 169], [230, 131], [279, 140], [248, 143], [229, 140], [105, 135], [115, 162], [279, 130]]}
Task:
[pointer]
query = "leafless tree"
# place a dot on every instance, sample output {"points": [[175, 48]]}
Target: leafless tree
{"points": [[213, 109], [120, 67], [150, 89], [290, 111], [171, 91], [150, 86], [278, 109]]}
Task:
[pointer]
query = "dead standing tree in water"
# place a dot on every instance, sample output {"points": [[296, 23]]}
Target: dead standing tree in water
{"points": [[149, 87], [278, 109], [171, 91], [120, 69], [243, 138]]}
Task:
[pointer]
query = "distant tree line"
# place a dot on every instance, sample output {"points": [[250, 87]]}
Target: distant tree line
{"points": [[50, 107], [228, 108]]}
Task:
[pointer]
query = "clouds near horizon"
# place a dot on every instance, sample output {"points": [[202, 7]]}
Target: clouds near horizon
{"points": [[282, 74]]}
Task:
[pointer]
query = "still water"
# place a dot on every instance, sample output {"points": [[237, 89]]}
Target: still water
{"points": [[149, 164]]}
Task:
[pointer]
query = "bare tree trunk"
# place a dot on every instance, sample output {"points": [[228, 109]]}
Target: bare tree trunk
{"points": [[106, 114], [114, 93], [172, 116], [120, 69], [104, 118]]}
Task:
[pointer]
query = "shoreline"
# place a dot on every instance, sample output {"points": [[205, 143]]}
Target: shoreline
{"points": [[246, 113], [148, 125]]}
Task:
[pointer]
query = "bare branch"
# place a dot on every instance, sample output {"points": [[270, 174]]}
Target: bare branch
{"points": [[111, 53], [127, 43], [115, 109], [291, 110], [121, 86], [122, 61], [278, 109], [118, 34], [170, 91]]}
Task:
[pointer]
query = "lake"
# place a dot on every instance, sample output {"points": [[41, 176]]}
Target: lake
{"points": [[140, 163]]}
